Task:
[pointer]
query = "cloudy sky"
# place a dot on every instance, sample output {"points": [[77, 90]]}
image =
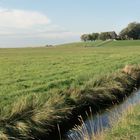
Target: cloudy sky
{"points": [[39, 22]]}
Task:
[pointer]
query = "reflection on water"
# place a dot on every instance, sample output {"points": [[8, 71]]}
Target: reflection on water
{"points": [[96, 123]]}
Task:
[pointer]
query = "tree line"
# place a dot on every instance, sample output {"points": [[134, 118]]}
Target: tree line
{"points": [[132, 31]]}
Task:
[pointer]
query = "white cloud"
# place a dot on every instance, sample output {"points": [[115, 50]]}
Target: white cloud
{"points": [[21, 18], [26, 28]]}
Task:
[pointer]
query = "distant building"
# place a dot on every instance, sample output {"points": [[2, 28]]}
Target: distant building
{"points": [[112, 34]]}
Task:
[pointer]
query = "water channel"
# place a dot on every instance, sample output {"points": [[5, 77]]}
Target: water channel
{"points": [[96, 123]]}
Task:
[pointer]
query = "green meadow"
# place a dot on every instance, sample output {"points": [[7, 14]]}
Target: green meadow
{"points": [[33, 79]]}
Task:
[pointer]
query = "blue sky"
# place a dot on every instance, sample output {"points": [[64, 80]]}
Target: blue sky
{"points": [[39, 22]]}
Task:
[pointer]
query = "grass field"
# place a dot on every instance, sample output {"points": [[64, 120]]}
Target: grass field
{"points": [[32, 79]]}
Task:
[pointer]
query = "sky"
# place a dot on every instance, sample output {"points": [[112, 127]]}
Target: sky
{"points": [[26, 23]]}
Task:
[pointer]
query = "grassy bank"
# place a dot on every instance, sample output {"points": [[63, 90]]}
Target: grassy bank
{"points": [[128, 127], [39, 87]]}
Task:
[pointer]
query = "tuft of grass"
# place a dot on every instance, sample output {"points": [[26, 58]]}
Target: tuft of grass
{"points": [[3, 136]]}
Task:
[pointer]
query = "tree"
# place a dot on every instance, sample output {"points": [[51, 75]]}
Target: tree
{"points": [[101, 36], [132, 31], [84, 37], [108, 35], [95, 36], [90, 37], [104, 36]]}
